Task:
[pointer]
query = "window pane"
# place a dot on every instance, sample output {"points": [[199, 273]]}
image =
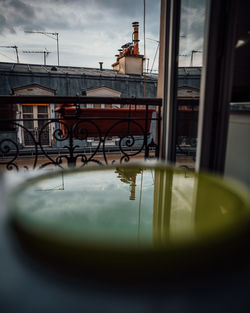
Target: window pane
{"points": [[42, 115], [237, 163], [28, 124], [42, 108], [189, 77], [27, 108]]}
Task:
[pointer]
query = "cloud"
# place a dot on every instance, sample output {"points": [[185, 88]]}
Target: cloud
{"points": [[4, 25], [75, 14], [192, 18], [93, 27], [192, 26], [16, 13]]}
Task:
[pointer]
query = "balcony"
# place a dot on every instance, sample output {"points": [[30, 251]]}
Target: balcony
{"points": [[62, 132]]}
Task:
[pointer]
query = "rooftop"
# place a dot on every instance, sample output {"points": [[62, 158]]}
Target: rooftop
{"points": [[71, 70]]}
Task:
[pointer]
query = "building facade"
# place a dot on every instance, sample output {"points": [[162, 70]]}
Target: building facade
{"points": [[26, 79]]}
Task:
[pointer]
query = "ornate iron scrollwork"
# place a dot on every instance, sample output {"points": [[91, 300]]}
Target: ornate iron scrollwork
{"points": [[68, 143]]}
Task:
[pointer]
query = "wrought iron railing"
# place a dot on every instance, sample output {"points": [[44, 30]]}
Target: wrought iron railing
{"points": [[75, 135]]}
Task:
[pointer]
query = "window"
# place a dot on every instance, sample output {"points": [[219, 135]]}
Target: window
{"points": [[224, 106], [179, 78], [237, 163], [35, 117]]}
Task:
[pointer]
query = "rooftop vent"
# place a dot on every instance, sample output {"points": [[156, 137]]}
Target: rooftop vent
{"points": [[53, 68]]}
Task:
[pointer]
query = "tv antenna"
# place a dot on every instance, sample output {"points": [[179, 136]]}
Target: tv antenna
{"points": [[153, 40], [45, 53], [157, 48], [48, 34], [16, 49], [192, 56]]}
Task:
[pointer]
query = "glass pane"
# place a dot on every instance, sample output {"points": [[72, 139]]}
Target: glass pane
{"points": [[189, 77], [44, 137], [43, 131], [28, 132], [27, 108], [42, 109], [26, 116], [28, 124], [42, 115], [29, 137], [41, 123], [238, 142]]}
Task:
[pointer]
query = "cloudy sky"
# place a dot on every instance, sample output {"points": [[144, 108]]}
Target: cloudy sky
{"points": [[91, 31]]}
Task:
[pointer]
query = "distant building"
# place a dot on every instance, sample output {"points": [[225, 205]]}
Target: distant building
{"points": [[28, 79]]}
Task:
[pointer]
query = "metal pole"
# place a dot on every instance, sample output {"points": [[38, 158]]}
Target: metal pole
{"points": [[155, 57], [57, 41], [48, 35], [17, 57], [191, 61]]}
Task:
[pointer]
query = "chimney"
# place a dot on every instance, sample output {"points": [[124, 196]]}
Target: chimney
{"points": [[135, 37], [129, 60], [101, 63]]}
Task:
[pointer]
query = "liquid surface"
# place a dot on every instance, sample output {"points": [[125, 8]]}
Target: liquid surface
{"points": [[129, 206]]}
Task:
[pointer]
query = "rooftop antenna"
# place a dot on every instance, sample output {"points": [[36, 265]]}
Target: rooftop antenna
{"points": [[192, 56], [16, 49], [48, 35], [157, 48], [45, 53], [155, 57]]}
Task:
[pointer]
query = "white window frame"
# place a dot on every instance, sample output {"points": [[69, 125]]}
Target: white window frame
{"points": [[35, 116]]}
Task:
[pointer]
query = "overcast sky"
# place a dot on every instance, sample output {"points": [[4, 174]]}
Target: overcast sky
{"points": [[91, 31]]}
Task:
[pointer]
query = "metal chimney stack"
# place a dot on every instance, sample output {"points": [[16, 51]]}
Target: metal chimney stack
{"points": [[136, 37], [101, 63]]}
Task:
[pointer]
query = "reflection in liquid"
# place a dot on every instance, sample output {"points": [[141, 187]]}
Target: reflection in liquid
{"points": [[162, 205], [128, 176], [95, 206], [173, 206]]}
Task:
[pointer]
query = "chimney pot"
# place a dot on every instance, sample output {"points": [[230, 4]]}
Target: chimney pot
{"points": [[101, 63], [135, 37]]}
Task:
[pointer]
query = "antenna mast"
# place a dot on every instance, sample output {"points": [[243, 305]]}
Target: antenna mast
{"points": [[45, 53], [192, 56], [48, 35], [16, 49]]}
